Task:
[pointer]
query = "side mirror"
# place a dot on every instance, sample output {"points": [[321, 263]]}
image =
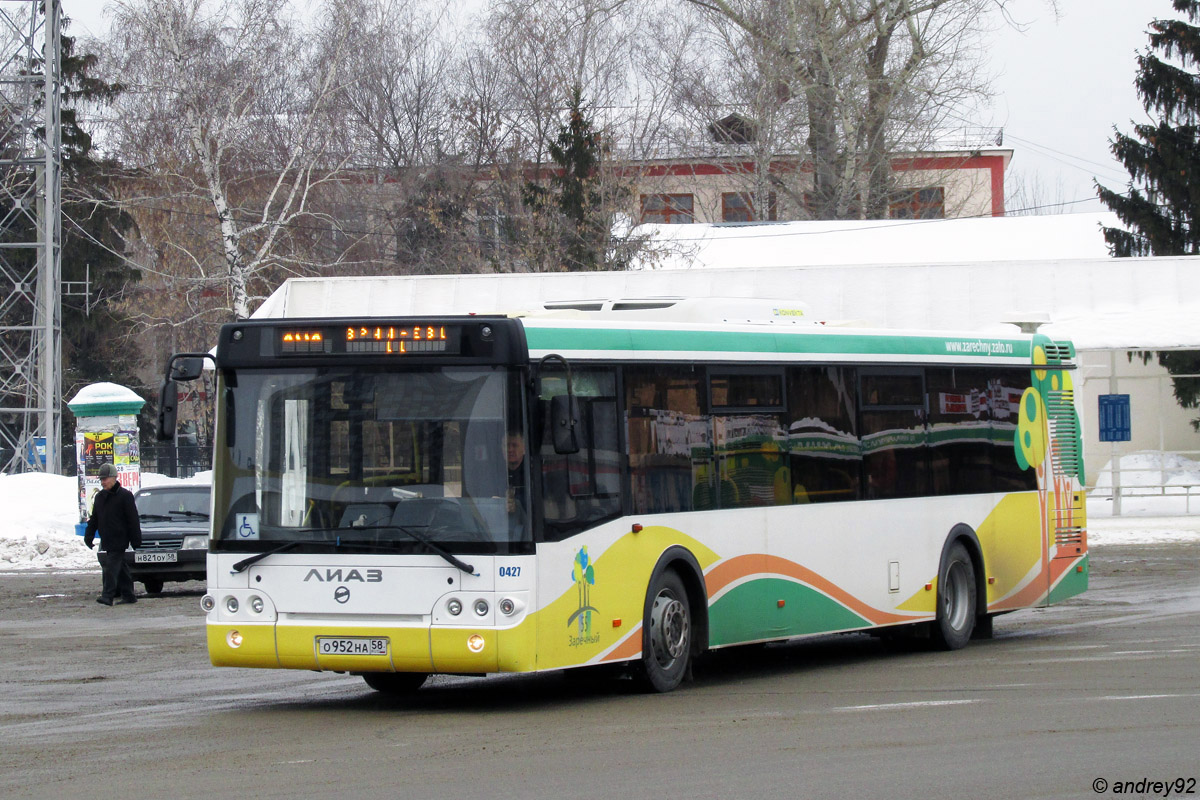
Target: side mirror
{"points": [[564, 424], [168, 410], [187, 368]]}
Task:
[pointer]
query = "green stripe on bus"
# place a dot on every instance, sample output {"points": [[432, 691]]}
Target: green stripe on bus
{"points": [[751, 611], [1072, 583], [622, 339]]}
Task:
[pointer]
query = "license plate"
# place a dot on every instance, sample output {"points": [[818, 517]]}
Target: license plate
{"points": [[155, 558], [352, 646]]}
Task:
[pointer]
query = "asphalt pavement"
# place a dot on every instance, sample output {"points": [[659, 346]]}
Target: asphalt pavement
{"points": [[1099, 695]]}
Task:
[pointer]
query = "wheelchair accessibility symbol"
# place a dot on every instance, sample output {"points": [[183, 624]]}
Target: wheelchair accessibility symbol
{"points": [[247, 526]]}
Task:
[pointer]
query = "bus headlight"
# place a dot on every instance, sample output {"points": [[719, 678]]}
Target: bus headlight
{"points": [[233, 639], [256, 604], [454, 606], [507, 606], [208, 603], [231, 604], [481, 607]]}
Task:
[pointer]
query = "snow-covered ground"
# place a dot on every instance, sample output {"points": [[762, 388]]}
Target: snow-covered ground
{"points": [[1154, 483], [41, 511], [1160, 501]]}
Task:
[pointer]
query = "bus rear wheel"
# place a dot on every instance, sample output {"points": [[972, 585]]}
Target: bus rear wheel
{"points": [[395, 683], [955, 600], [666, 634]]}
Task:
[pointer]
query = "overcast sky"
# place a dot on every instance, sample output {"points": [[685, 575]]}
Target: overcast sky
{"points": [[1061, 87]]}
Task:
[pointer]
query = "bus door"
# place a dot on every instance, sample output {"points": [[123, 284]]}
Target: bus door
{"points": [[576, 492]]}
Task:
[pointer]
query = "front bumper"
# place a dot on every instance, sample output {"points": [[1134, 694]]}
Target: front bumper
{"points": [[450, 649]]}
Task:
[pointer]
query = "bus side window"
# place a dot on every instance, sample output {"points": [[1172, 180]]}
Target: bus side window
{"points": [[822, 434], [669, 439], [960, 430], [893, 432]]}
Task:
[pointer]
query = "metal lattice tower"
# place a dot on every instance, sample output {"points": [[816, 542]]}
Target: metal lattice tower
{"points": [[30, 234]]}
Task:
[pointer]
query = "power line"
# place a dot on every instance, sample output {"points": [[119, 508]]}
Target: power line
{"points": [[890, 223]]}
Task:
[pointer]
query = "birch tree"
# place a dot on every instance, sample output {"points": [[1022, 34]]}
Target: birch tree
{"points": [[225, 112]]}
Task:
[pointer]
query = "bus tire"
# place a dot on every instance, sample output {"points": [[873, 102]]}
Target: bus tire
{"points": [[955, 600], [666, 634], [395, 683]]}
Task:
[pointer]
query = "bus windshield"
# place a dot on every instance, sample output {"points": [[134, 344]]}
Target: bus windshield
{"points": [[372, 459]]}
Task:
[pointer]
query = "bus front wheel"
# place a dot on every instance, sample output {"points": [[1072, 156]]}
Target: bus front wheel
{"points": [[666, 634], [956, 600], [395, 683]]}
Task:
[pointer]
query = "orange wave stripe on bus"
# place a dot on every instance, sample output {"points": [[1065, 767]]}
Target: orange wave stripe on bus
{"points": [[1030, 595], [737, 567], [630, 647], [1039, 587]]}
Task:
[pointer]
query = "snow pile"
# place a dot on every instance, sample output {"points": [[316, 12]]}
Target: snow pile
{"points": [[41, 512], [1152, 484], [40, 529], [1142, 530]]}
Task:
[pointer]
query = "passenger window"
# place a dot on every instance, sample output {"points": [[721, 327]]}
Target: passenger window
{"points": [[960, 431], [750, 461], [822, 434], [892, 434], [669, 438]]}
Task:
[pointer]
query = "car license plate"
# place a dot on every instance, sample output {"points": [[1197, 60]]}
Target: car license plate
{"points": [[352, 646], [155, 558]]}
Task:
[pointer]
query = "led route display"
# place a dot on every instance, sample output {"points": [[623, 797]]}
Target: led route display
{"points": [[373, 339]]}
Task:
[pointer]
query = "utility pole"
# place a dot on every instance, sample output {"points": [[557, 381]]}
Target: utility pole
{"points": [[30, 236]]}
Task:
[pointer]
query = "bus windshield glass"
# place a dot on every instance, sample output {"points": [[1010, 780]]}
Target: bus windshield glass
{"points": [[373, 460]]}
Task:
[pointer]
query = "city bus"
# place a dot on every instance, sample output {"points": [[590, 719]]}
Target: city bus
{"points": [[625, 484]]}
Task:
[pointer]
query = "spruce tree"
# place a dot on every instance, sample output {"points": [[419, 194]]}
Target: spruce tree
{"points": [[1162, 204], [96, 339], [575, 198]]}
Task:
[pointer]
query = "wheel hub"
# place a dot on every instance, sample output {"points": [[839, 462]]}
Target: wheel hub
{"points": [[669, 629], [954, 598]]}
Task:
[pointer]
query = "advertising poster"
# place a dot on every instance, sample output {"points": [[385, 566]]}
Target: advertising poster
{"points": [[98, 448], [121, 449]]}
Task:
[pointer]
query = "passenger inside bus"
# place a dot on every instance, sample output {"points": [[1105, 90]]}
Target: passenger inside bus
{"points": [[515, 456]]}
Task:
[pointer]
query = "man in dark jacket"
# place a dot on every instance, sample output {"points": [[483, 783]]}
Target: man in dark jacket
{"points": [[115, 515]]}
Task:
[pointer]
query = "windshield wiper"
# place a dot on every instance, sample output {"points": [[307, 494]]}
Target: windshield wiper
{"points": [[446, 555], [154, 518], [254, 559], [191, 513]]}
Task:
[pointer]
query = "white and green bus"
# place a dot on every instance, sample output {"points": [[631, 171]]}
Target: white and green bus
{"points": [[398, 497]]}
